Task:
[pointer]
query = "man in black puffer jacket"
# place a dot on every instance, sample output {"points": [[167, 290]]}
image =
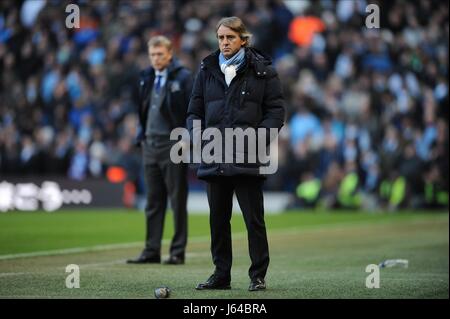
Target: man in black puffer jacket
{"points": [[236, 87]]}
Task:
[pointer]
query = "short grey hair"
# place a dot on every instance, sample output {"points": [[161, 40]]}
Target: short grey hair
{"points": [[236, 24], [160, 40]]}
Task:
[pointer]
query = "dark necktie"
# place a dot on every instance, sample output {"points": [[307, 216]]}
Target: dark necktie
{"points": [[158, 84]]}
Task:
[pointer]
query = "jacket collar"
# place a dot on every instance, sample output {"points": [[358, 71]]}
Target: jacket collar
{"points": [[211, 63]]}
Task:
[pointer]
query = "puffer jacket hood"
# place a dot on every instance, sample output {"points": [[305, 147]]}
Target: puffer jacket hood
{"points": [[254, 58]]}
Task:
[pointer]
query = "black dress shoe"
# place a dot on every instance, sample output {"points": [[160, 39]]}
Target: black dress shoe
{"points": [[174, 260], [145, 260], [257, 284], [214, 282]]}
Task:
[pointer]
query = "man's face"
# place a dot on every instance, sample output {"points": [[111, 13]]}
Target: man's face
{"points": [[159, 56], [229, 41]]}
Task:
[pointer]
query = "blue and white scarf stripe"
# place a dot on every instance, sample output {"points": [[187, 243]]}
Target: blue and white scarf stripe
{"points": [[237, 60]]}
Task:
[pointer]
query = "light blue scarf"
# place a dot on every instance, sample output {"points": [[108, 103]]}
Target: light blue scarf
{"points": [[237, 60]]}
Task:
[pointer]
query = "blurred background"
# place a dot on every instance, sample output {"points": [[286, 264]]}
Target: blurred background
{"points": [[367, 109]]}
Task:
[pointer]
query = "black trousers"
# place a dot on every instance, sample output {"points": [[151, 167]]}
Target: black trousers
{"points": [[164, 180], [249, 194]]}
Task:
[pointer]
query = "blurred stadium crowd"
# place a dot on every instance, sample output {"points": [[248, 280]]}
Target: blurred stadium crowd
{"points": [[367, 122]]}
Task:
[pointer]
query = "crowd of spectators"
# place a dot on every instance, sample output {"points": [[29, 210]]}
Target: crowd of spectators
{"points": [[367, 108]]}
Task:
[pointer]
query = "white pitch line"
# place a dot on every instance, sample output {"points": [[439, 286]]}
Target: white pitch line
{"points": [[106, 263], [7, 274], [198, 239], [101, 264], [97, 248], [123, 261], [70, 250]]}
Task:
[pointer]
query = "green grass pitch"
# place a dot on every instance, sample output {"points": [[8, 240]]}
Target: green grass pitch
{"points": [[313, 255]]}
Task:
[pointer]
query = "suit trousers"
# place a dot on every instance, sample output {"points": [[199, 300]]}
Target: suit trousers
{"points": [[164, 180], [248, 190]]}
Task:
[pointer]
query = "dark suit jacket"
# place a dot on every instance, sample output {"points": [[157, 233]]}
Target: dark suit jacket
{"points": [[178, 90]]}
